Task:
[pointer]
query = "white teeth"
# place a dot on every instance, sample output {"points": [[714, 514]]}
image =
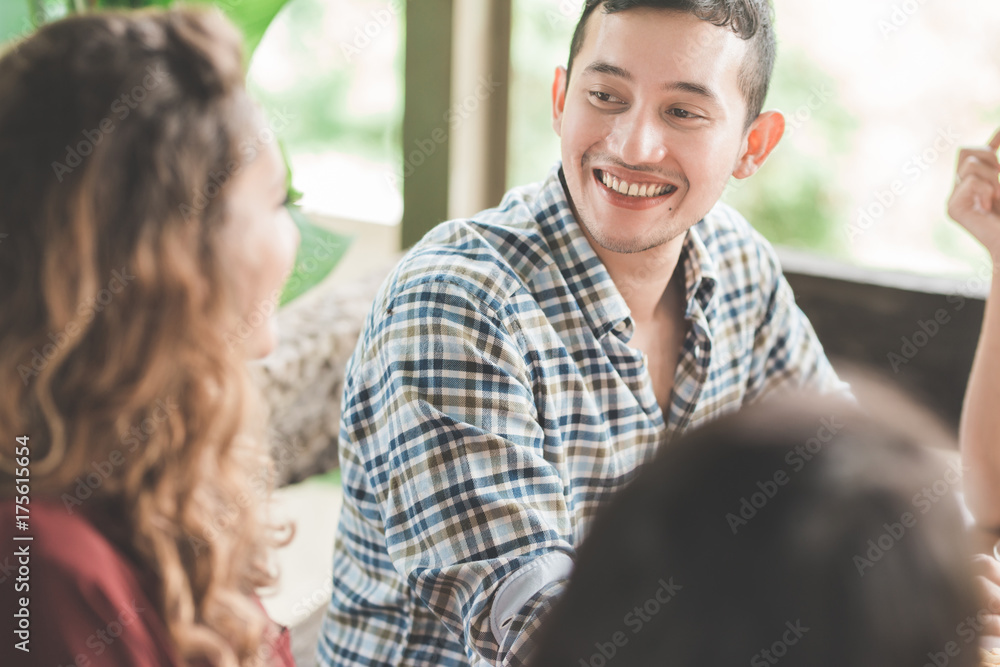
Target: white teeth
{"points": [[632, 189]]}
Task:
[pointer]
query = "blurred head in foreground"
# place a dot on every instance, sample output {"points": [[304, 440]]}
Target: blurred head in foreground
{"points": [[805, 534], [142, 228]]}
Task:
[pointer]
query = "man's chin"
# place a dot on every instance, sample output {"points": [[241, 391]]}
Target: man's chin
{"points": [[627, 245], [630, 246]]}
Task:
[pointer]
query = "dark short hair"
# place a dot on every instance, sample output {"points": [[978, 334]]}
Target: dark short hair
{"points": [[777, 524], [751, 20]]}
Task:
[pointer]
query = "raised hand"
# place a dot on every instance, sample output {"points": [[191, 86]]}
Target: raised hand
{"points": [[975, 202]]}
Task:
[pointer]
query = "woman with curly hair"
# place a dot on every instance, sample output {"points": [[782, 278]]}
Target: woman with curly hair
{"points": [[142, 227]]}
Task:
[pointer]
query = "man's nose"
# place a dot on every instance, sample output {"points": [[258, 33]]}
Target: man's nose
{"points": [[640, 137]]}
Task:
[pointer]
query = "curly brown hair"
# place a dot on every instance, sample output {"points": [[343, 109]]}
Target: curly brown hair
{"points": [[114, 307]]}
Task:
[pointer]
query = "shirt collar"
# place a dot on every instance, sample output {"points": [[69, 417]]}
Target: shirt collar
{"points": [[585, 274], [700, 272], [581, 268]]}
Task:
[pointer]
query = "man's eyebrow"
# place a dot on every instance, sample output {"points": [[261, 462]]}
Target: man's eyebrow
{"points": [[601, 67], [694, 88]]}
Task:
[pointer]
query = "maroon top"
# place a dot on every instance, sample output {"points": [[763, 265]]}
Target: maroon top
{"points": [[86, 602]]}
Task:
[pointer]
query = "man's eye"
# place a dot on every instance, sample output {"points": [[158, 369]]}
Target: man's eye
{"points": [[682, 113], [605, 98]]}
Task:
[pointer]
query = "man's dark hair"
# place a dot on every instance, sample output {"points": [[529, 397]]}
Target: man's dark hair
{"points": [[781, 529], [750, 19]]}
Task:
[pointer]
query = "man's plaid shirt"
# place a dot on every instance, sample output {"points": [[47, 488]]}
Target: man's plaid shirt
{"points": [[493, 404]]}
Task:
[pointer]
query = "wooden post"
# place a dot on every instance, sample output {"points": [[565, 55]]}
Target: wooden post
{"points": [[428, 73], [455, 112], [481, 80]]}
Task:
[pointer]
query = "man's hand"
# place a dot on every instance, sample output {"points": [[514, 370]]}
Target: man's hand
{"points": [[975, 203]]}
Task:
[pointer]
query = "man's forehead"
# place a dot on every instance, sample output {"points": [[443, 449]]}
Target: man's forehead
{"points": [[677, 46], [664, 27]]}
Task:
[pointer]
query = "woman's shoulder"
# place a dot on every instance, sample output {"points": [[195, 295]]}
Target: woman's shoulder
{"points": [[85, 600], [64, 539]]}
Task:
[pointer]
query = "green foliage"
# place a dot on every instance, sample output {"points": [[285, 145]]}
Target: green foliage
{"points": [[322, 96], [321, 122], [318, 254], [15, 20], [540, 42], [331, 478], [253, 17], [793, 201], [792, 205], [990, 118]]}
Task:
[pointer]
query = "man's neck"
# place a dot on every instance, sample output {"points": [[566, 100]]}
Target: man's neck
{"points": [[642, 277]]}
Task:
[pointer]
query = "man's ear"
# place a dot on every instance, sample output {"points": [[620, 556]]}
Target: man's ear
{"points": [[558, 99], [764, 134]]}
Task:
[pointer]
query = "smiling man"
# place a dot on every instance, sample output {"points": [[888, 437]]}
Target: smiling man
{"points": [[518, 366]]}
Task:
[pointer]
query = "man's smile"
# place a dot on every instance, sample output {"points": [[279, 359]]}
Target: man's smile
{"points": [[635, 192]]}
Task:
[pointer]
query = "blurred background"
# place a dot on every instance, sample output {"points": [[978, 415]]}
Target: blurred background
{"points": [[878, 95], [873, 92]]}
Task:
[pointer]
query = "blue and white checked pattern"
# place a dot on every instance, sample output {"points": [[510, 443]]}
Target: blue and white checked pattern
{"points": [[493, 404]]}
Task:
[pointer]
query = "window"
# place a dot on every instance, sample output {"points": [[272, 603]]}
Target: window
{"points": [[330, 73]]}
